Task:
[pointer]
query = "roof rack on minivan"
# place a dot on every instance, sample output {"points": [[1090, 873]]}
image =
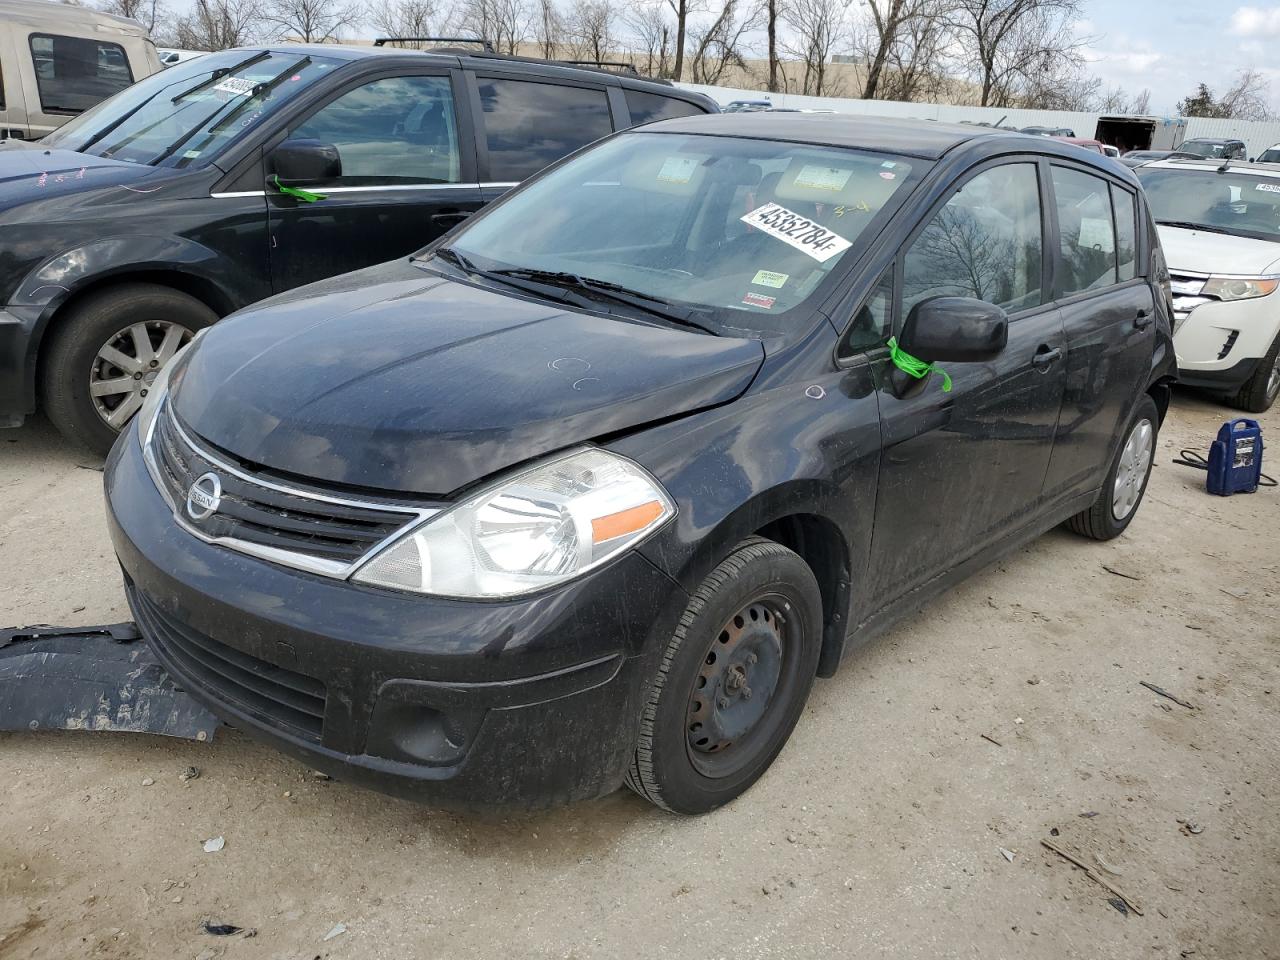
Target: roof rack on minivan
{"points": [[618, 65], [485, 44]]}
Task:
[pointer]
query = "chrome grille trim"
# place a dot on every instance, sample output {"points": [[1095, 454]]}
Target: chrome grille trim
{"points": [[321, 566]]}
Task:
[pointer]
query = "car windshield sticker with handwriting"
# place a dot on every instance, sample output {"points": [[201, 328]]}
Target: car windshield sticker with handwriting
{"points": [[823, 178], [1269, 187], [768, 278], [800, 232], [236, 86], [677, 169]]}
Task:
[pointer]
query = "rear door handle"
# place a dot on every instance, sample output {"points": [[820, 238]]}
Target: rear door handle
{"points": [[1045, 356], [1142, 320]]}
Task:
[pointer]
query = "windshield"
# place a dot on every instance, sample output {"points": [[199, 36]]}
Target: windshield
{"points": [[1270, 156], [1229, 202], [191, 112], [744, 230], [1200, 148]]}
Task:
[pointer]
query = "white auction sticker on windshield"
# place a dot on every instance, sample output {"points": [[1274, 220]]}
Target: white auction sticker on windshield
{"points": [[236, 86], [800, 232], [677, 169], [823, 178], [1269, 187]]}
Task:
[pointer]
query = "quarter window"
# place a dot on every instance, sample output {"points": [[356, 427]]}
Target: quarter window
{"points": [[985, 243], [645, 107], [870, 327], [74, 73], [399, 130], [1126, 233], [1086, 231], [530, 125]]}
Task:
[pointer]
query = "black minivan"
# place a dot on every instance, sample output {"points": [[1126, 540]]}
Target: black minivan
{"points": [[248, 172], [591, 489]]}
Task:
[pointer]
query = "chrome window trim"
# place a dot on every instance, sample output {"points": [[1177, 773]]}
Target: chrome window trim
{"points": [[333, 569], [371, 189]]}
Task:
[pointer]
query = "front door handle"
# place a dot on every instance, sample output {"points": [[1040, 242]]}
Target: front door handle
{"points": [[1045, 356], [1142, 320], [450, 219]]}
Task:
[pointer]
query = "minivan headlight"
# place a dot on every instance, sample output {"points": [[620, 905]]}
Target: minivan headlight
{"points": [[1240, 288], [537, 528]]}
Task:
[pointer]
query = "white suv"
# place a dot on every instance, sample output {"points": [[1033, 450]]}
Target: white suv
{"points": [[1219, 224]]}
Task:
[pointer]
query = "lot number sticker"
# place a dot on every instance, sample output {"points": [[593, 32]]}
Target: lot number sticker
{"points": [[1269, 187], [236, 86], [800, 232]]}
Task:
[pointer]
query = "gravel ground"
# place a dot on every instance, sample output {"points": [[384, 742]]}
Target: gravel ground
{"points": [[880, 831]]}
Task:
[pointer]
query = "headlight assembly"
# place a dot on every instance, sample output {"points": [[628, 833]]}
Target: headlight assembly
{"points": [[540, 527], [1240, 288]]}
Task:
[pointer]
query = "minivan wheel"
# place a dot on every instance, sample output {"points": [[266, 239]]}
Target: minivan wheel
{"points": [[732, 682], [1260, 390], [103, 357], [1126, 482]]}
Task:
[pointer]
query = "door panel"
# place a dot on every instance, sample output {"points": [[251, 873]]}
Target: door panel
{"points": [[407, 177]]}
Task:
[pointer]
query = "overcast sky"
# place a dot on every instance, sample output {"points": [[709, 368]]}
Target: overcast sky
{"points": [[1172, 45]]}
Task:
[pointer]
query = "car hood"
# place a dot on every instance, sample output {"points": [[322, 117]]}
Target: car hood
{"points": [[1201, 251], [397, 379], [29, 171]]}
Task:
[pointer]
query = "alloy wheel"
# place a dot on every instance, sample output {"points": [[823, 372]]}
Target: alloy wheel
{"points": [[1131, 471], [1273, 381], [128, 363]]}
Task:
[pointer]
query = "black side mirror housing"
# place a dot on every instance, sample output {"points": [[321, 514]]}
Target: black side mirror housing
{"points": [[306, 161], [955, 330]]}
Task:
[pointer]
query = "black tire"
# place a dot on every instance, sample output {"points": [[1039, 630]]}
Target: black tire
{"points": [[757, 578], [71, 356], [1099, 521], [1260, 390]]}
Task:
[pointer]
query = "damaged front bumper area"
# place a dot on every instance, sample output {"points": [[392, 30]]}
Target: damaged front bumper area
{"points": [[458, 703]]}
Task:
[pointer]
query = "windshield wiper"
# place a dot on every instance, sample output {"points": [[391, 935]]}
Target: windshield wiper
{"points": [[608, 290], [1187, 225], [222, 72], [545, 290]]}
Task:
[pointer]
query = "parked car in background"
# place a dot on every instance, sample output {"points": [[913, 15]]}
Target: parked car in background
{"points": [[1270, 155], [1084, 143], [1220, 230], [1215, 149], [747, 106], [1049, 131], [1110, 151], [591, 489], [1136, 158], [169, 56], [247, 172], [58, 60]]}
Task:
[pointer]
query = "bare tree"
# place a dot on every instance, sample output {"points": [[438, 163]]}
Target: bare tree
{"points": [[147, 12], [218, 24], [591, 27], [1246, 98], [1141, 103], [772, 10], [549, 28], [720, 45], [913, 68], [311, 21], [504, 23], [652, 30], [682, 9], [403, 18], [818, 28]]}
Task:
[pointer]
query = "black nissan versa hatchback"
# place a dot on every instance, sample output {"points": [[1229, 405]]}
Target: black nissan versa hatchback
{"points": [[591, 489], [248, 172]]}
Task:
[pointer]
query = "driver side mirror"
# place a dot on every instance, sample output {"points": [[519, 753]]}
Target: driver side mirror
{"points": [[306, 161], [955, 330]]}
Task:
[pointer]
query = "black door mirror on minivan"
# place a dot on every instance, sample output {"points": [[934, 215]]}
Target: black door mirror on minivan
{"points": [[955, 330], [306, 161]]}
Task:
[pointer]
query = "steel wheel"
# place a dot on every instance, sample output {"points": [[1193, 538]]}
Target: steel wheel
{"points": [[1131, 472], [127, 365], [735, 687]]}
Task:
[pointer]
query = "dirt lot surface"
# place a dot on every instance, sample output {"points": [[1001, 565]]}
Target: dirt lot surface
{"points": [[880, 831]]}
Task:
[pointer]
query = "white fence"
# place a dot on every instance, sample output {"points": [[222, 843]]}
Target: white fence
{"points": [[1257, 136]]}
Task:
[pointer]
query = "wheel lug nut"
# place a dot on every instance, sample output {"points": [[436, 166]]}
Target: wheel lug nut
{"points": [[155, 363], [144, 391], [751, 658], [746, 693], [137, 376], [723, 702]]}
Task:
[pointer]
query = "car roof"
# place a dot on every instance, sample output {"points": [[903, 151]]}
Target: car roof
{"points": [[42, 12], [1214, 140], [925, 139], [1215, 164]]}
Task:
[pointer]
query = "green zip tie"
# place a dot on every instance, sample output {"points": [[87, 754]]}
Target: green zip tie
{"points": [[306, 196], [914, 366]]}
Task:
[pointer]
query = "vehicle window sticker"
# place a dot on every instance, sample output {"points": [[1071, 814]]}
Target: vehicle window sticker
{"points": [[767, 278], [817, 177], [677, 170], [797, 231], [759, 300], [236, 86], [1268, 187], [1096, 234]]}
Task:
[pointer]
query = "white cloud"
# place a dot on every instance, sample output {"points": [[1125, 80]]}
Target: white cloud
{"points": [[1256, 21]]}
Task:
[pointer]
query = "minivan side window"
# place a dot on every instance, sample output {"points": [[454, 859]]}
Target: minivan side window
{"points": [[529, 125], [74, 73], [985, 243], [1126, 209], [398, 130], [646, 107], [1086, 231]]}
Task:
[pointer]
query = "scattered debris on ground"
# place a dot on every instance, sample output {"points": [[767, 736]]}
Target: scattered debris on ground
{"points": [[1165, 693], [1093, 875]]}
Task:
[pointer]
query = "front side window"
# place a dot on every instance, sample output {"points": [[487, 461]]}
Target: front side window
{"points": [[647, 107], [398, 130], [531, 125], [1271, 155], [74, 73], [189, 113], [1085, 230], [1232, 202], [743, 231], [985, 244]]}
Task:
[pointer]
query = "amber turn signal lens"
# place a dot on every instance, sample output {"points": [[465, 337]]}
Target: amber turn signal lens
{"points": [[625, 521]]}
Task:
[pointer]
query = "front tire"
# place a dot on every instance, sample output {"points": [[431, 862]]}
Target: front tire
{"points": [[1260, 390], [105, 353], [1126, 482], [733, 680]]}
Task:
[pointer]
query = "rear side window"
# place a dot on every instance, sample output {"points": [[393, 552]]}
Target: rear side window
{"points": [[1086, 231], [530, 125], [74, 73], [985, 243], [646, 107], [1126, 233], [399, 130]]}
